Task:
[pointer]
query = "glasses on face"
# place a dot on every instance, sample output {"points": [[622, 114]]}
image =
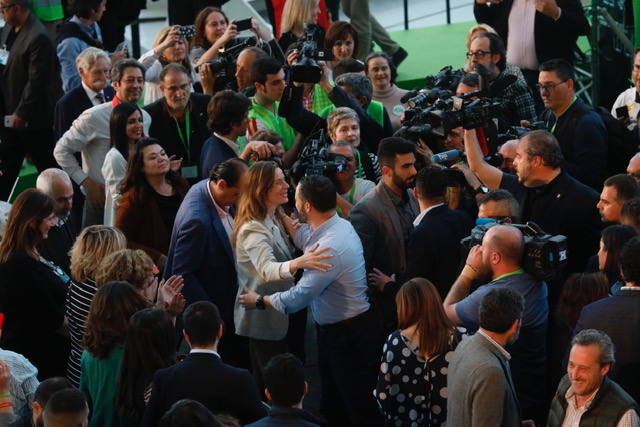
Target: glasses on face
{"points": [[549, 87], [478, 54]]}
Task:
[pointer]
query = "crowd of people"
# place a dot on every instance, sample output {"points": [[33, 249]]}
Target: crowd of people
{"points": [[197, 206]]}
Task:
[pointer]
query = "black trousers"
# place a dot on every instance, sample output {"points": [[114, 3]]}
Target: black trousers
{"points": [[349, 360], [37, 144]]}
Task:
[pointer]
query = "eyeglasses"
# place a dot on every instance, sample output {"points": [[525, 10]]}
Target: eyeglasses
{"points": [[9, 6], [478, 54], [549, 87]]}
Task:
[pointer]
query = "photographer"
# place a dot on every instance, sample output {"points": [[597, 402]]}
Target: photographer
{"points": [[499, 260], [351, 189], [547, 194], [498, 205], [228, 120]]}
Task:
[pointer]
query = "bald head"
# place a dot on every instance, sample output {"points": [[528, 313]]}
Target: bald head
{"points": [[508, 152], [507, 241], [56, 184], [633, 168]]}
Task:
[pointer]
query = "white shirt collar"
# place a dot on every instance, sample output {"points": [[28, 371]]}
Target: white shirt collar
{"points": [[223, 212], [504, 352], [418, 220], [204, 351], [91, 94], [232, 144]]}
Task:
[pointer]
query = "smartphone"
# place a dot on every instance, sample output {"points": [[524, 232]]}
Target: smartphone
{"points": [[187, 31], [243, 24]]}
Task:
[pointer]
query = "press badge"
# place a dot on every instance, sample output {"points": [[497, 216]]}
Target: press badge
{"points": [[189, 171], [4, 56]]}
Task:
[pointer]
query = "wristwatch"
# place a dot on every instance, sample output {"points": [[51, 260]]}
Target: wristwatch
{"points": [[260, 303]]}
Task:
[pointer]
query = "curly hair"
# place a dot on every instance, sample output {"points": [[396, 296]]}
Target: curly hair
{"points": [[127, 265], [92, 245], [108, 319]]}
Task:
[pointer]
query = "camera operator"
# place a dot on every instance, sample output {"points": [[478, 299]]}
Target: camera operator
{"points": [[488, 50], [547, 194], [228, 120], [350, 188], [498, 205], [508, 153], [499, 260], [244, 62]]}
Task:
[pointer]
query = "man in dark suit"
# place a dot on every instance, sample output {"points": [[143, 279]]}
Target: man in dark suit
{"points": [[200, 249], [94, 66], [203, 376], [27, 66], [228, 119], [179, 119], [619, 317], [433, 248]]}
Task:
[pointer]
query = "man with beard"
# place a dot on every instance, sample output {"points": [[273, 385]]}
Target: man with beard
{"points": [[547, 194], [498, 259], [56, 184], [488, 50], [90, 135], [349, 336], [479, 387]]}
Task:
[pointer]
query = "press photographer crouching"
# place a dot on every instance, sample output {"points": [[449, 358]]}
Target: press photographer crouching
{"points": [[497, 263], [547, 195]]}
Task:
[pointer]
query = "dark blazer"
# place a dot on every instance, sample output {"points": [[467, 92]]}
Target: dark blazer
{"points": [[164, 128], [293, 417], [619, 317], [553, 39], [57, 245], [214, 151], [201, 253], [433, 249], [140, 220], [27, 81], [206, 379], [71, 105]]}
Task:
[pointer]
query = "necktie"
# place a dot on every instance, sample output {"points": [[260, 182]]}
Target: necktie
{"points": [[100, 97]]}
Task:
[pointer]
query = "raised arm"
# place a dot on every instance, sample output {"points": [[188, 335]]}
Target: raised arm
{"points": [[489, 175]]}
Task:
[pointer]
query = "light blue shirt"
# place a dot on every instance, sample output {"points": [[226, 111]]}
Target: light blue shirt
{"points": [[68, 50], [337, 294]]}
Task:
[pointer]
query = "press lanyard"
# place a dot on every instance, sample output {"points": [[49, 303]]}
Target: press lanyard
{"points": [[359, 172], [513, 273], [187, 128], [553, 129]]}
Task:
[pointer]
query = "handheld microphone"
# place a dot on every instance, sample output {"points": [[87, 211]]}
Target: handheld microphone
{"points": [[447, 156]]}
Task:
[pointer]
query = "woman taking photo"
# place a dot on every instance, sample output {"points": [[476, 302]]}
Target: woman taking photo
{"points": [[151, 196], [382, 73], [107, 326], [150, 345], [126, 129], [420, 351], [298, 16], [265, 261], [169, 46], [92, 245], [32, 289]]}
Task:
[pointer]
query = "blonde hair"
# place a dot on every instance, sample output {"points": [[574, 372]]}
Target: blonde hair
{"points": [[162, 35], [92, 245], [295, 14], [252, 205], [337, 115], [127, 265]]}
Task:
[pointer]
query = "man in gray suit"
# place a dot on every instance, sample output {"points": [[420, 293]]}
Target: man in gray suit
{"points": [[480, 389], [27, 67]]}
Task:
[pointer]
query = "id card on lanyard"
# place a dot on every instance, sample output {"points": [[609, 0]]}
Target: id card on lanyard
{"points": [[189, 169]]}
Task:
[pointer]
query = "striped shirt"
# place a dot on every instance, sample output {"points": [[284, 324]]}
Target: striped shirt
{"points": [[573, 414], [78, 303]]}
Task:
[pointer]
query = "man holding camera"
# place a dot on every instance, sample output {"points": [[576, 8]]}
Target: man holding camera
{"points": [[499, 258], [350, 189], [547, 194]]}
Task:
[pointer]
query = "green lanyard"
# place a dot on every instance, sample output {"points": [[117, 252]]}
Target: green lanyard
{"points": [[187, 129], [360, 171], [553, 129], [513, 273], [352, 193]]}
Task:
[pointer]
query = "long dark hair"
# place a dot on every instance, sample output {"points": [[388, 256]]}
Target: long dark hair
{"points": [[579, 290], [135, 177], [614, 237], [418, 303], [199, 39], [108, 319], [21, 233], [149, 346], [118, 126]]}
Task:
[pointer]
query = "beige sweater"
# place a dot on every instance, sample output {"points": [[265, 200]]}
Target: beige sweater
{"points": [[391, 100]]}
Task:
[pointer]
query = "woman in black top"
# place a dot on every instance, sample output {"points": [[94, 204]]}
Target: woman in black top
{"points": [[299, 16], [151, 196], [412, 384], [32, 289]]}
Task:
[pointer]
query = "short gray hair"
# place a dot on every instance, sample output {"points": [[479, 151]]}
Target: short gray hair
{"points": [[47, 177], [358, 85], [587, 337], [88, 57]]}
